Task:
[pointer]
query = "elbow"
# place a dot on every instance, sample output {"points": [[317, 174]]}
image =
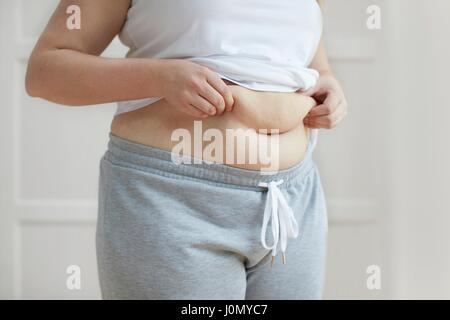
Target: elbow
{"points": [[37, 80], [32, 83], [38, 83], [31, 87]]}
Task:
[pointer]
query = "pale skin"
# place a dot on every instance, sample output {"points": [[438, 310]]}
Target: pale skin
{"points": [[65, 67]]}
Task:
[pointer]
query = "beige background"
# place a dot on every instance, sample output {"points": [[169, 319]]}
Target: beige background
{"points": [[385, 169]]}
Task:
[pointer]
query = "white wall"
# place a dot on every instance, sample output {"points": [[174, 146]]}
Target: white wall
{"points": [[419, 148], [399, 148], [349, 158]]}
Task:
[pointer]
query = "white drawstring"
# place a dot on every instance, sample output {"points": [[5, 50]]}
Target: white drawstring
{"points": [[284, 225]]}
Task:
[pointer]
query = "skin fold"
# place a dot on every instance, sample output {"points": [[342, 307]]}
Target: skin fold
{"points": [[66, 67], [252, 111], [270, 110]]}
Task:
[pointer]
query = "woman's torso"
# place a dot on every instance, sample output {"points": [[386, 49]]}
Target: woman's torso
{"points": [[257, 46]]}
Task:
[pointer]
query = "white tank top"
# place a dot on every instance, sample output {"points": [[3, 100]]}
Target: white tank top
{"points": [[264, 45]]}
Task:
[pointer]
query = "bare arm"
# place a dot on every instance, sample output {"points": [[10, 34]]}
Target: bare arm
{"points": [[320, 60], [65, 66]]}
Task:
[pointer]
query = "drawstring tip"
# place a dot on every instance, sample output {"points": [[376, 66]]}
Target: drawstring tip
{"points": [[284, 258], [273, 261]]}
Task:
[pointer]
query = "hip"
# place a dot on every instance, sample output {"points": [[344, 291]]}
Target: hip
{"points": [[211, 219]]}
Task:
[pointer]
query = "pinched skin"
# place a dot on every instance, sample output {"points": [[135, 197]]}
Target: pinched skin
{"points": [[252, 112], [270, 110]]}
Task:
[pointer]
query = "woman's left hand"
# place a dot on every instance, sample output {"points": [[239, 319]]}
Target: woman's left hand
{"points": [[332, 104]]}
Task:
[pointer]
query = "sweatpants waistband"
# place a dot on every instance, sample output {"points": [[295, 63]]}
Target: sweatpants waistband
{"points": [[159, 161]]}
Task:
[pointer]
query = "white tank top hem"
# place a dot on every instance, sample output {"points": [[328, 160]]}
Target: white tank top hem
{"points": [[263, 45]]}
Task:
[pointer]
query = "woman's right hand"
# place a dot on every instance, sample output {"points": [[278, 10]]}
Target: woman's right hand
{"points": [[194, 89]]}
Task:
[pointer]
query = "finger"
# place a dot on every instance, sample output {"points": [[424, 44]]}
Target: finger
{"points": [[334, 121], [341, 117], [224, 90], [213, 97], [321, 122], [320, 110], [317, 90], [333, 100], [193, 111], [326, 121], [330, 105], [203, 105], [310, 92], [307, 123]]}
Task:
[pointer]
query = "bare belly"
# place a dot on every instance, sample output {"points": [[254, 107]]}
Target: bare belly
{"points": [[263, 132]]}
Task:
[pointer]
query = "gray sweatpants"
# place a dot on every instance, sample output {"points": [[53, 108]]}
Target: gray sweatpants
{"points": [[193, 231]]}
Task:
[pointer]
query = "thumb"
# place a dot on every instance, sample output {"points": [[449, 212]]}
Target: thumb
{"points": [[309, 92]]}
